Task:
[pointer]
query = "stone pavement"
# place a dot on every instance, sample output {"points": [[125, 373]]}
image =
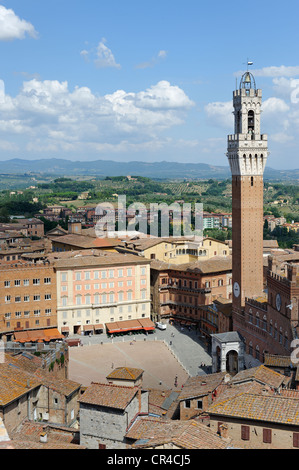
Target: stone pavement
{"points": [[162, 355]]}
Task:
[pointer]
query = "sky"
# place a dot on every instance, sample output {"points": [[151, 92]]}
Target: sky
{"points": [[144, 80]]}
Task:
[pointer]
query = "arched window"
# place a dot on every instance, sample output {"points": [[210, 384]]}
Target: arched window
{"points": [[250, 122], [257, 352]]}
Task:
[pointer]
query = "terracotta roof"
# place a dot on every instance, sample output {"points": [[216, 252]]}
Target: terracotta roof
{"points": [[110, 396], [63, 386], [201, 385], [125, 373], [27, 436], [213, 265], [261, 374], [163, 402], [153, 432], [14, 383], [110, 259], [275, 360], [259, 407]]}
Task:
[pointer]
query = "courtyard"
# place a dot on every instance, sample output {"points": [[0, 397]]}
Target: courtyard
{"points": [[162, 355]]}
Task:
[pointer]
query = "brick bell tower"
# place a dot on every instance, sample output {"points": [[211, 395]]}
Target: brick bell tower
{"points": [[247, 153]]}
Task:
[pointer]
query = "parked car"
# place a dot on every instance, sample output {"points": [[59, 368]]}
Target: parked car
{"points": [[160, 325]]}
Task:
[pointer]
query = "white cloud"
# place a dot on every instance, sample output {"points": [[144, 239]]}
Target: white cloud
{"points": [[277, 71], [274, 105], [105, 58], [220, 114], [47, 115], [12, 27], [153, 61]]}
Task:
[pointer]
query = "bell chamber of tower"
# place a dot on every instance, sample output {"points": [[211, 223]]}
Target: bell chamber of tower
{"points": [[247, 148]]}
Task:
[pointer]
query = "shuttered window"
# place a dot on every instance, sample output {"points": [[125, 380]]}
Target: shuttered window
{"points": [[267, 436], [245, 433], [296, 439]]}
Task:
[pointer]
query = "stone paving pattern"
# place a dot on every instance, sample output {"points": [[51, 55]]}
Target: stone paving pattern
{"points": [[162, 355]]}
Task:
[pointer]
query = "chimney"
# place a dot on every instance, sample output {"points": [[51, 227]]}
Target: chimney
{"points": [[292, 272], [223, 429], [43, 437]]}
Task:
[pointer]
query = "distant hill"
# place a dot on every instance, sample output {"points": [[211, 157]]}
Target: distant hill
{"points": [[102, 168]]}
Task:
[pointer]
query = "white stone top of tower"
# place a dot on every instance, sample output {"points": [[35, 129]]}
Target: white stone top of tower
{"points": [[247, 148]]}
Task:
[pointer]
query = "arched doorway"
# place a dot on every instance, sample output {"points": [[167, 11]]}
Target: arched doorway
{"points": [[232, 362]]}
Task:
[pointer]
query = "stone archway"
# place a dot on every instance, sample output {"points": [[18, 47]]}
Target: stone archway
{"points": [[227, 352]]}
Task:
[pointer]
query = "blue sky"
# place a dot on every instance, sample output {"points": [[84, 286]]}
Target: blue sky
{"points": [[144, 80]]}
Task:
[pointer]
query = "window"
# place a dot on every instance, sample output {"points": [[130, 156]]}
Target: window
{"points": [[36, 282], [26, 313], [129, 272], [36, 313], [18, 314], [188, 404], [245, 430], [143, 271], [48, 311], [78, 299], [36, 297], [104, 274], [47, 296], [220, 282], [267, 436], [17, 282], [295, 439], [96, 275], [111, 273], [87, 275], [7, 299], [199, 404], [78, 276], [120, 273], [18, 299], [87, 286], [47, 280], [6, 283], [26, 282]]}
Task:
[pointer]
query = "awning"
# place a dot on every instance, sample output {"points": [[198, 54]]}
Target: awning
{"points": [[147, 324], [130, 325], [98, 327], [87, 327], [31, 336], [123, 326], [65, 329]]}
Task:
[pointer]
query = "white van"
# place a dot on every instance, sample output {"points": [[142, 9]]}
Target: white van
{"points": [[161, 326]]}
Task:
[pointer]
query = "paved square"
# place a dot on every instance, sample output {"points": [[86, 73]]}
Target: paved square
{"points": [[92, 363]]}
